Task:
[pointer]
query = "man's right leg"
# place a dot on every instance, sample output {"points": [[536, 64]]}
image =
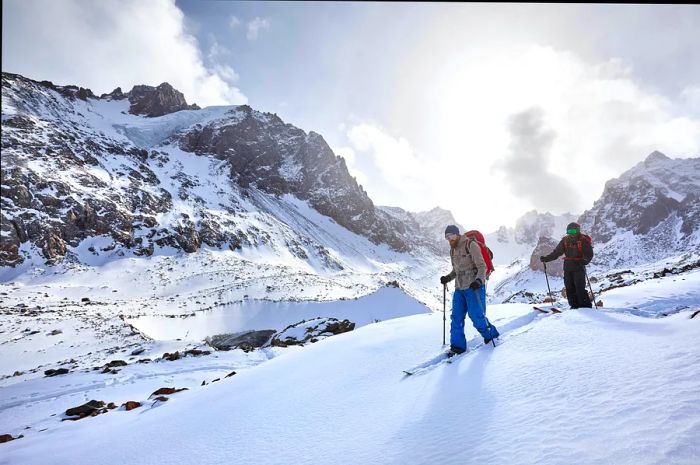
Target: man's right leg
{"points": [[570, 289], [582, 299], [459, 312]]}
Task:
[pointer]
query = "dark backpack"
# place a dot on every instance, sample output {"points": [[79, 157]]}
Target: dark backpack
{"points": [[485, 251], [579, 246]]}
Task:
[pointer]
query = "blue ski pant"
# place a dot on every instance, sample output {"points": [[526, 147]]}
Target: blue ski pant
{"points": [[464, 302]]}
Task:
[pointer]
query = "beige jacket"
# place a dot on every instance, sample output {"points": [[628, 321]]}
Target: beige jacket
{"points": [[467, 263]]}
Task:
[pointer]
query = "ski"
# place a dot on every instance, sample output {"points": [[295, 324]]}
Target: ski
{"points": [[442, 357], [547, 309], [434, 363], [512, 328]]}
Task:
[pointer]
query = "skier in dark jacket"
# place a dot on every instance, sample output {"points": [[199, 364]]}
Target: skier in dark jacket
{"points": [[469, 270], [578, 252]]}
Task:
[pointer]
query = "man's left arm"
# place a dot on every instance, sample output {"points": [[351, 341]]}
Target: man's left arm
{"points": [[587, 250]]}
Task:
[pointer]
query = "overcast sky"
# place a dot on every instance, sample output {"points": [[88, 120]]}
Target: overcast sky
{"points": [[488, 110]]}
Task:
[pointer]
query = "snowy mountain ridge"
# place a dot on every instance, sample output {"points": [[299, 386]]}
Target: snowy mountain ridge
{"points": [[76, 168]]}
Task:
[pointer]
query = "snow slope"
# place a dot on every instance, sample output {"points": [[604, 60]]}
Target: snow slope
{"points": [[582, 387]]}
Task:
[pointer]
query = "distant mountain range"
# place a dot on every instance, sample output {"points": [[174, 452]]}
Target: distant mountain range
{"points": [[85, 178]]}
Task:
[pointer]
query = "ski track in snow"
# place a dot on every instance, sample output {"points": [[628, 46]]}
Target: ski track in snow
{"points": [[581, 387]]}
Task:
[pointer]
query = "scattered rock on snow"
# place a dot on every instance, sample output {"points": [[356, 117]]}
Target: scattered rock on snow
{"points": [[117, 363], [197, 352], [167, 391], [131, 404], [52, 372], [92, 407], [8, 437], [171, 357]]}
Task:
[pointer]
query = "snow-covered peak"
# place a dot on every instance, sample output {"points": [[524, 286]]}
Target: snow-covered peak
{"points": [[674, 178]]}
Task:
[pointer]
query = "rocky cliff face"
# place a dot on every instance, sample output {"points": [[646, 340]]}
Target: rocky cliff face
{"points": [[263, 151], [77, 167], [154, 101]]}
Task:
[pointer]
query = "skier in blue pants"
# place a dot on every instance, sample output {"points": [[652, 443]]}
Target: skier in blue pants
{"points": [[469, 269]]}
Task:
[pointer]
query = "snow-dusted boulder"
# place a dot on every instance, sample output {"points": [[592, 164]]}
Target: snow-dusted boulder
{"points": [[311, 331]]}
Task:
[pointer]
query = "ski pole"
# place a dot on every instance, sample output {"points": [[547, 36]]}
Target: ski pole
{"points": [[547, 278], [595, 304], [444, 310], [483, 311]]}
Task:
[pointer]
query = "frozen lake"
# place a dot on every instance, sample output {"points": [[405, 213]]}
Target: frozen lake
{"points": [[384, 304]]}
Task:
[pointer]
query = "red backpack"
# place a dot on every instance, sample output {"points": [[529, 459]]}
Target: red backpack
{"points": [[485, 251]]}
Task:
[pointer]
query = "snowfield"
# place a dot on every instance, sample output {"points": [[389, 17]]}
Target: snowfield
{"points": [[581, 387]]}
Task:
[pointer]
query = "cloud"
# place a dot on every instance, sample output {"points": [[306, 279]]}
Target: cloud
{"points": [[394, 157], [216, 50], [595, 119], [387, 166], [234, 22], [257, 25], [110, 43], [526, 167], [351, 162]]}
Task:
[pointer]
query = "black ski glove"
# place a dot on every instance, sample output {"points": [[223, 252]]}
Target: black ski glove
{"points": [[444, 279], [476, 284], [543, 259]]}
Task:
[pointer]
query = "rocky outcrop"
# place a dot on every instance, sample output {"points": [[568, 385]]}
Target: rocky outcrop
{"points": [[246, 340], [545, 246], [278, 158], [55, 372], [91, 408], [156, 101], [310, 331]]}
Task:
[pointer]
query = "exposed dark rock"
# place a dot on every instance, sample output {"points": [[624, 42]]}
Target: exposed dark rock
{"points": [[130, 405], [86, 409], [8, 437], [246, 340], [59, 371], [311, 331], [171, 357], [197, 352], [117, 363], [157, 101], [167, 391]]}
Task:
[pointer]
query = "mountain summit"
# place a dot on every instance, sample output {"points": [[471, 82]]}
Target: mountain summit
{"points": [[145, 170]]}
